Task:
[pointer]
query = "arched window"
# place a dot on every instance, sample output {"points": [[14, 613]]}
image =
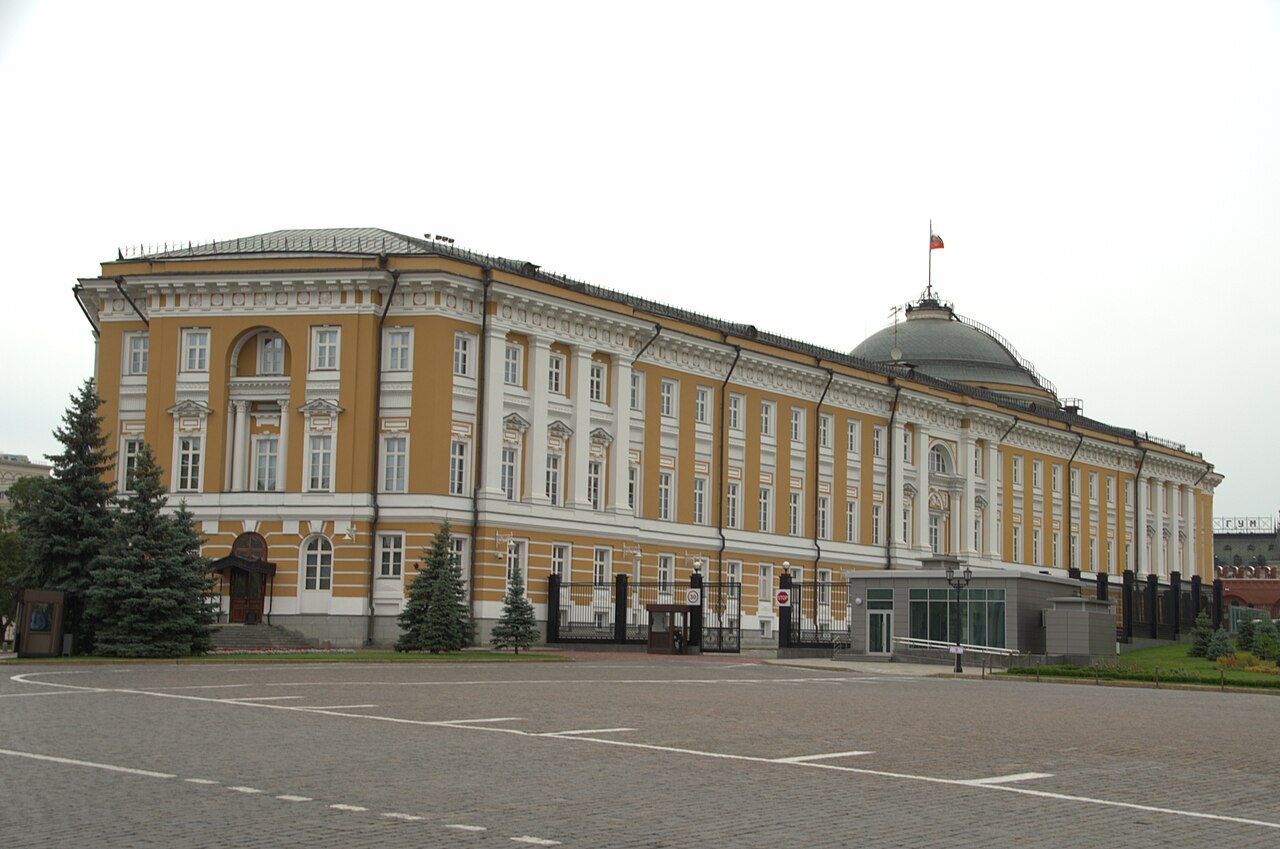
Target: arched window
{"points": [[939, 461], [317, 564]]}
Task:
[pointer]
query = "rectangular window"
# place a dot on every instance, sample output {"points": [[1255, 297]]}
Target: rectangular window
{"points": [[667, 398], [1111, 489], [699, 501], [320, 463], [265, 463], [824, 503], [457, 467], [595, 471], [1056, 474], [553, 479], [1037, 552], [1017, 543], [877, 524], [767, 410], [1075, 483], [797, 424], [794, 513], [702, 405], [324, 348], [853, 437], [390, 555], [824, 430], [189, 464], [1128, 495], [195, 350], [560, 560], [398, 342], [977, 533], [1111, 555], [666, 568], [731, 504], [633, 488], [601, 564], [906, 525], [1093, 486], [906, 446], [507, 473], [596, 382], [395, 459], [766, 510], [270, 354], [1017, 471], [877, 442], [1093, 553], [515, 561], [637, 390], [138, 348], [851, 521], [132, 448], [458, 559], [555, 374], [735, 412], [1075, 551], [462, 354], [1035, 474], [824, 587], [1057, 556], [977, 461], [513, 365], [935, 534], [664, 495], [764, 587]]}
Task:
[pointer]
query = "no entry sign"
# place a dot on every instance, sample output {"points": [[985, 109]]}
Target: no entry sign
{"points": [[783, 597]]}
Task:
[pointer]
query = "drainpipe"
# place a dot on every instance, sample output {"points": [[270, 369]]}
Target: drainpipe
{"points": [[817, 459], [373, 448], [657, 329], [1138, 541], [888, 438], [119, 281], [1071, 537], [482, 411], [77, 291], [721, 458]]}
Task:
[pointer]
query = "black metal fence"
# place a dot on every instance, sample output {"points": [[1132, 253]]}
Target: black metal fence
{"points": [[722, 617], [1157, 610], [819, 614]]}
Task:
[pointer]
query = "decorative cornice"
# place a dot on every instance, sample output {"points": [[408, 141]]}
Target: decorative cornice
{"points": [[320, 407], [190, 408]]}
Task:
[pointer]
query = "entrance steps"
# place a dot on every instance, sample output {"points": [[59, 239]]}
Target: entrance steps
{"points": [[259, 637], [850, 656]]}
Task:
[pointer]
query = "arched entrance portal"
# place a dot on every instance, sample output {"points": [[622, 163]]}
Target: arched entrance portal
{"points": [[246, 576]]}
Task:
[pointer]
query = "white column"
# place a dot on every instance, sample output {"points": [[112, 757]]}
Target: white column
{"points": [[535, 466], [922, 484], [620, 450], [989, 524], [896, 494], [581, 376], [1142, 557], [239, 445], [282, 452], [495, 353], [1190, 512], [1175, 525], [1159, 561], [965, 515]]}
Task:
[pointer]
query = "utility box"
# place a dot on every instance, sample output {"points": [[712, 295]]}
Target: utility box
{"points": [[1080, 629], [40, 623]]}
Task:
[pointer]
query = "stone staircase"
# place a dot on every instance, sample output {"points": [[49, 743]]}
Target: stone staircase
{"points": [[259, 637]]}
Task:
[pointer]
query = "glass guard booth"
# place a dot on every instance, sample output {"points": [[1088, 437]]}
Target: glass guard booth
{"points": [[668, 628]]}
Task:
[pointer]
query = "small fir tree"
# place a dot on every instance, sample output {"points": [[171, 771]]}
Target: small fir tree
{"points": [[1201, 633], [64, 523], [1219, 646], [1264, 646], [150, 591], [1245, 635], [516, 627], [435, 617]]}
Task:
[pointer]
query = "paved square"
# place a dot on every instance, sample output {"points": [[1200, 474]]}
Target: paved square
{"points": [[621, 752]]}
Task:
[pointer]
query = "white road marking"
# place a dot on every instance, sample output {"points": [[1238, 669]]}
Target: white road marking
{"points": [[474, 721], [799, 759], [243, 789], [73, 762], [261, 699], [288, 797], [536, 841], [461, 827], [355, 808], [406, 817], [583, 731], [207, 687], [201, 781], [1004, 779], [331, 707], [46, 693]]}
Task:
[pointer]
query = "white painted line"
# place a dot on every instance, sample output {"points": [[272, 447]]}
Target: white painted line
{"points": [[46, 693], [331, 707], [536, 841], [287, 797], [474, 721], [799, 759], [206, 687], [73, 762], [356, 808], [262, 699], [1004, 779], [583, 731], [245, 789], [461, 827], [201, 781], [406, 817]]}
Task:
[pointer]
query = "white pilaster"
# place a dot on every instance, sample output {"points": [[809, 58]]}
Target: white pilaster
{"points": [[990, 528], [239, 445], [964, 516], [1175, 524], [922, 485], [581, 376], [535, 467], [620, 450], [1142, 554], [282, 455], [896, 493], [1159, 560], [1190, 512], [495, 353]]}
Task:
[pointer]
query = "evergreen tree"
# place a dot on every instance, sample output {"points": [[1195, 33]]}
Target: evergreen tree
{"points": [[1245, 635], [1219, 646], [435, 617], [1265, 647], [1201, 633], [516, 627], [150, 591], [64, 523]]}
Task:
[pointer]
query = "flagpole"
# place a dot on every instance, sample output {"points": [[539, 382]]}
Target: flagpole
{"points": [[929, 291]]}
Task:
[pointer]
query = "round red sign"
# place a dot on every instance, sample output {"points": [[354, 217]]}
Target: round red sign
{"points": [[784, 598]]}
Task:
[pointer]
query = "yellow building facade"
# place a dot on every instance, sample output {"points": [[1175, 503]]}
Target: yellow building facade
{"points": [[343, 393]]}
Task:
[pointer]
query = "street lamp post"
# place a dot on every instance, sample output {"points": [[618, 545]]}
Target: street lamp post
{"points": [[958, 582]]}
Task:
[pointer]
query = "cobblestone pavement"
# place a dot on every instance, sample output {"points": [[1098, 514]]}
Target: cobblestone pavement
{"points": [[621, 751]]}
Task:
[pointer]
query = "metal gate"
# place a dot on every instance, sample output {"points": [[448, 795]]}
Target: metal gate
{"points": [[819, 614], [722, 617]]}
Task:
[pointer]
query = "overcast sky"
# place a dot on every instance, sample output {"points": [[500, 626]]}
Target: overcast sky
{"points": [[1106, 176]]}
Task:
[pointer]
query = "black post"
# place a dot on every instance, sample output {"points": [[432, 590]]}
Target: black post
{"points": [[620, 608], [553, 608], [1127, 597], [1153, 612], [695, 613], [1175, 587], [1074, 573], [1197, 596], [784, 614], [1103, 587], [1217, 603]]}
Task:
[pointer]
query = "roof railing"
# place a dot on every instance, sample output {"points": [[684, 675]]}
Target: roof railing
{"points": [[1044, 382]]}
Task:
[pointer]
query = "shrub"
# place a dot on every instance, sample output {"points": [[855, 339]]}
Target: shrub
{"points": [[1201, 633], [1265, 647], [1219, 646], [1246, 635]]}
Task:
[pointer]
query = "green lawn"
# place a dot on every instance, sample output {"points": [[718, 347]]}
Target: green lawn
{"points": [[1167, 664], [478, 656]]}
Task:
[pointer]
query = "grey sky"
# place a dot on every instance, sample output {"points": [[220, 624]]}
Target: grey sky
{"points": [[1105, 175]]}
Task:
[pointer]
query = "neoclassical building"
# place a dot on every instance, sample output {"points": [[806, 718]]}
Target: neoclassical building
{"points": [[323, 400]]}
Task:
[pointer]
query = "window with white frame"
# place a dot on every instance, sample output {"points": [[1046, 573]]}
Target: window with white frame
{"points": [[1055, 539], [824, 508], [320, 463], [906, 446], [851, 521], [853, 438], [633, 489], [595, 474], [637, 390], [1111, 555], [601, 564], [797, 424], [595, 382], [1111, 489], [732, 515], [699, 501], [1093, 486], [766, 509], [513, 365], [764, 585], [390, 555], [270, 353], [977, 532], [767, 411], [129, 463], [1128, 494], [1055, 477], [906, 524], [457, 467], [1017, 543], [553, 479], [702, 405], [664, 495], [666, 570], [1036, 467], [555, 374], [935, 534], [938, 460], [1075, 551], [825, 423], [1037, 551], [462, 343], [877, 524], [399, 346], [1093, 553], [317, 564], [667, 398], [266, 463], [516, 550], [138, 348], [195, 350], [560, 559], [877, 442], [977, 461], [189, 457], [733, 572], [395, 462], [735, 411], [1017, 471], [1075, 483], [793, 513], [324, 348], [824, 587], [507, 472], [458, 559]]}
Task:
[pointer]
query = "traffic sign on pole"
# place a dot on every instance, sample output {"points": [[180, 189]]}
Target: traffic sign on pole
{"points": [[783, 597]]}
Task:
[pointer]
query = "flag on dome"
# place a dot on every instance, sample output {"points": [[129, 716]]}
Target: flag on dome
{"points": [[935, 241]]}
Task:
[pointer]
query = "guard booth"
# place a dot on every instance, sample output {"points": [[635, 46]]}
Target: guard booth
{"points": [[669, 628]]}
